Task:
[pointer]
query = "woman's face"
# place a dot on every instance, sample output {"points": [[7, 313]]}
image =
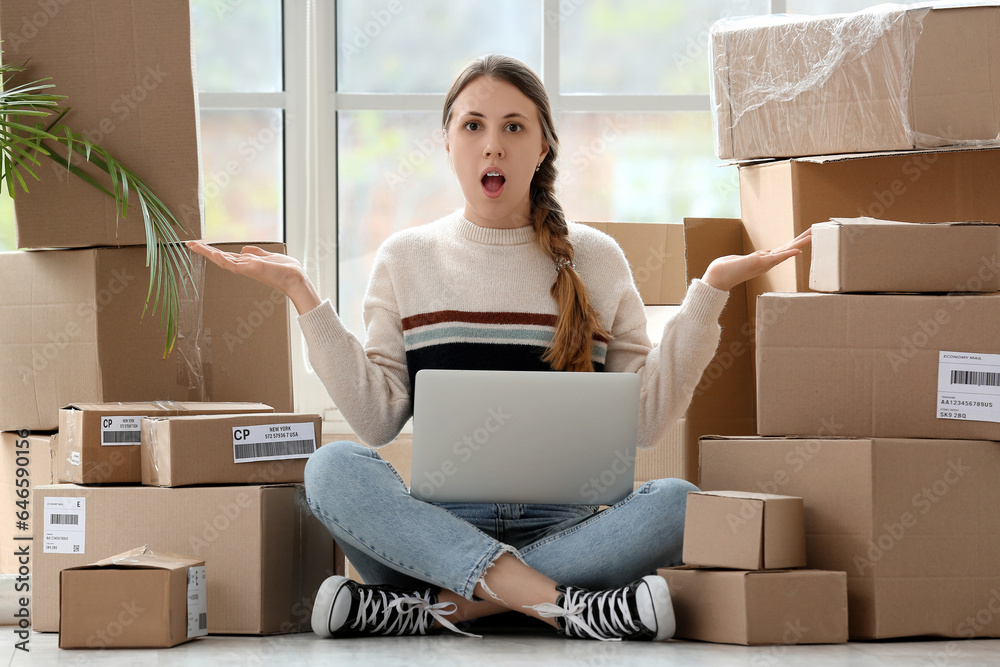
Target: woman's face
{"points": [[495, 142]]}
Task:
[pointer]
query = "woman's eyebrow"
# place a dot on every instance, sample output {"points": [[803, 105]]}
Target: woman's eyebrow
{"points": [[513, 114]]}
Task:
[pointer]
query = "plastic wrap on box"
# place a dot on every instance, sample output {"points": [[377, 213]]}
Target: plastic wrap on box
{"points": [[891, 77]]}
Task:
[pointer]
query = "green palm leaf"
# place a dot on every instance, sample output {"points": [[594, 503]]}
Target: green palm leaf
{"points": [[21, 144]]}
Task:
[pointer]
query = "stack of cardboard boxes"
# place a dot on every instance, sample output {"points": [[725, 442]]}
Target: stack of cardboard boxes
{"points": [[72, 336], [744, 579], [879, 408]]}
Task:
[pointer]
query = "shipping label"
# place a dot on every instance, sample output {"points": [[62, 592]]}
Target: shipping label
{"points": [[272, 442], [968, 386], [65, 525], [121, 430], [197, 603]]}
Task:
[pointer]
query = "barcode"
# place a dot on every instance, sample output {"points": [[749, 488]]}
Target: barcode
{"points": [[121, 436], [980, 378], [203, 621], [255, 450], [63, 519]]}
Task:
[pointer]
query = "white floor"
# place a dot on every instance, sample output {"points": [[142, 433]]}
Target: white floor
{"points": [[504, 647]]}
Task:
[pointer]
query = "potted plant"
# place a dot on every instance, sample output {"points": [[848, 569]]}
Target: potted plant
{"points": [[30, 128]]}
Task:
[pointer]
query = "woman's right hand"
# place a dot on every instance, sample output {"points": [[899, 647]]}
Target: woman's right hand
{"points": [[279, 271]]}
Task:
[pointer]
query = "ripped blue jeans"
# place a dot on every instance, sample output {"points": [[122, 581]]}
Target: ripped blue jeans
{"points": [[392, 538]]}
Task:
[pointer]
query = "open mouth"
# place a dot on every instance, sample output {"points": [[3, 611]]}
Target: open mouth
{"points": [[493, 183]]}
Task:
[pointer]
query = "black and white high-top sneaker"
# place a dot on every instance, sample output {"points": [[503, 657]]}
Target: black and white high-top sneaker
{"points": [[345, 608], [641, 610]]}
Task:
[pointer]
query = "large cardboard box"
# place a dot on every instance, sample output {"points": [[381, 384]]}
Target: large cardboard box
{"points": [[723, 401], [757, 608], [868, 255], [881, 365], [779, 200], [25, 462], [887, 78], [71, 332], [136, 599], [100, 443], [744, 531], [127, 71], [265, 552], [914, 523], [655, 253], [228, 449]]}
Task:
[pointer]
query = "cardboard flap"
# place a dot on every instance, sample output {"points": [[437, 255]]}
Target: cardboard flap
{"points": [[144, 557]]}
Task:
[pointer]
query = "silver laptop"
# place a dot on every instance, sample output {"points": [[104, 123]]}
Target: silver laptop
{"points": [[524, 436]]}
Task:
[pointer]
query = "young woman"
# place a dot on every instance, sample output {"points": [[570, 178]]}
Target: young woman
{"points": [[506, 283]]}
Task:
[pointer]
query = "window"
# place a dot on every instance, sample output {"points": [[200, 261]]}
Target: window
{"points": [[241, 94]]}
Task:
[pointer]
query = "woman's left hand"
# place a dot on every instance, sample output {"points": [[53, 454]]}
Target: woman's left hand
{"points": [[727, 272]]}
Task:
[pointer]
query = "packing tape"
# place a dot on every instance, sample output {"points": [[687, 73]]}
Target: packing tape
{"points": [[149, 443], [71, 449], [190, 331]]}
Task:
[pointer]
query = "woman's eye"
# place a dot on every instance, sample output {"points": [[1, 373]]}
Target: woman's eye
{"points": [[472, 125], [514, 127]]}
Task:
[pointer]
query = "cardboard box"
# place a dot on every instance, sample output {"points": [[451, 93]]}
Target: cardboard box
{"points": [[888, 78], [757, 608], [100, 443], [265, 552], [744, 531], [136, 599], [32, 454], [912, 522], [655, 252], [883, 365], [723, 401], [70, 332], [779, 200], [228, 449], [868, 255], [127, 72]]}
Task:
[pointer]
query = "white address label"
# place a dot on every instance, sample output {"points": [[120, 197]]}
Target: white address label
{"points": [[272, 442], [197, 603], [121, 430], [968, 386], [65, 526]]}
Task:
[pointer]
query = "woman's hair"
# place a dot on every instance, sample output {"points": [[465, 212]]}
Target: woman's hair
{"points": [[576, 324]]}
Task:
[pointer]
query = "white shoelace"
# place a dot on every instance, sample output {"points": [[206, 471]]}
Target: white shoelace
{"points": [[415, 613], [604, 628]]}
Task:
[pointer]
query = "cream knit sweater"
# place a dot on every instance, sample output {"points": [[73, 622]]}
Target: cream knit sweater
{"points": [[452, 294]]}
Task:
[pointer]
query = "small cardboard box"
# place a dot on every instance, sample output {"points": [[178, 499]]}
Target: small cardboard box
{"points": [[136, 599], [868, 255], [128, 74], [100, 443], [781, 199], [759, 608], [744, 531], [888, 78], [25, 462], [913, 523], [266, 552], [655, 252], [878, 365], [71, 331], [228, 449]]}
